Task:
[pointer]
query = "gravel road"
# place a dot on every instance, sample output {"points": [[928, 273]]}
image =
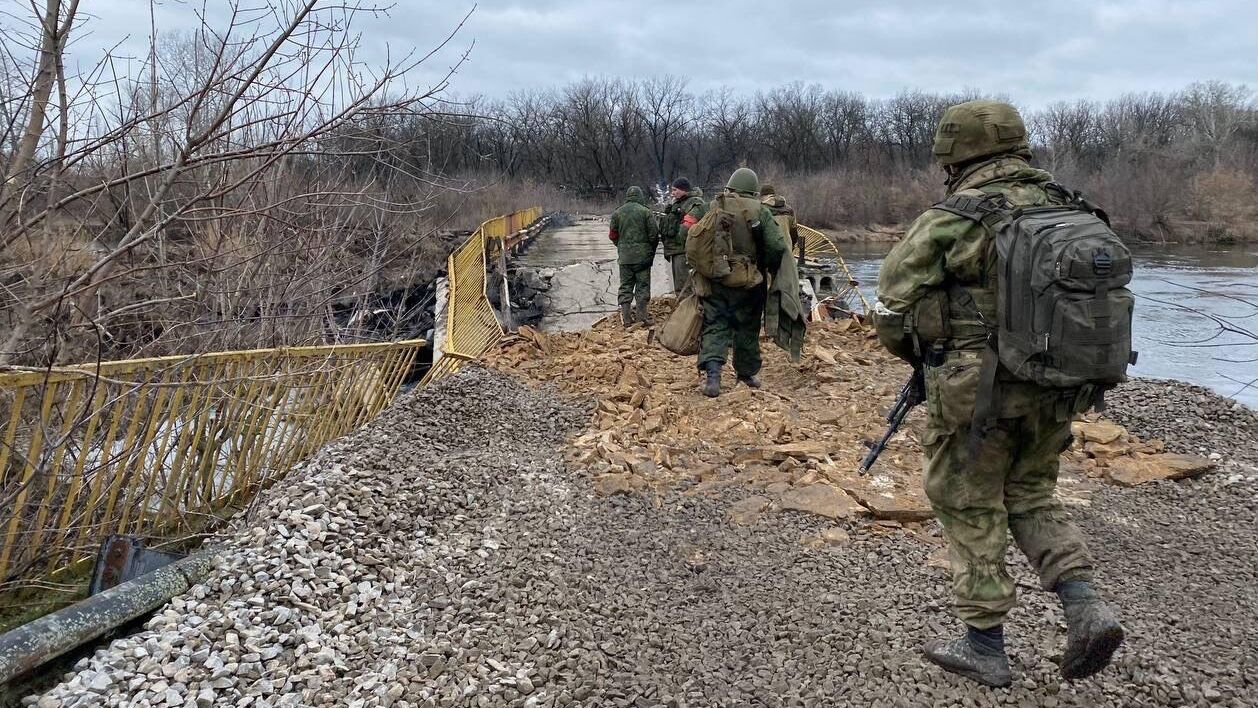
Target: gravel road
{"points": [[445, 555]]}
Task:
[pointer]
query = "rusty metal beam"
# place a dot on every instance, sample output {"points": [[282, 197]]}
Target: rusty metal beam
{"points": [[28, 647]]}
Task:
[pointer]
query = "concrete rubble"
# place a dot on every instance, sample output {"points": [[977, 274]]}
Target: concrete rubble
{"points": [[452, 553], [590, 531], [804, 432]]}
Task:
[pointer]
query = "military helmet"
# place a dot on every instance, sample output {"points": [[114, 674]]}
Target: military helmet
{"points": [[633, 193], [743, 180], [977, 129], [766, 190]]}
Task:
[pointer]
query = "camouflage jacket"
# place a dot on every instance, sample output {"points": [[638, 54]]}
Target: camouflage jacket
{"points": [[784, 215], [678, 217], [942, 250], [633, 227]]}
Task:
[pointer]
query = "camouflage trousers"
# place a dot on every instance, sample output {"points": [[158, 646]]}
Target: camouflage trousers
{"points": [[680, 271], [635, 284], [1008, 487], [732, 318]]}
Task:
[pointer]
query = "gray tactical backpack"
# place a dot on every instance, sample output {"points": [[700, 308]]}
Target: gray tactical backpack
{"points": [[1063, 309]]}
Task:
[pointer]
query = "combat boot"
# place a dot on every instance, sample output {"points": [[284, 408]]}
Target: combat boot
{"points": [[978, 655], [752, 381], [643, 316], [712, 385], [626, 314], [1093, 633]]}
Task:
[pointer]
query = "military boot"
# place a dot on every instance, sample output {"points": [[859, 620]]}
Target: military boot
{"points": [[712, 385], [979, 655], [752, 381], [1092, 630], [643, 316], [626, 314]]}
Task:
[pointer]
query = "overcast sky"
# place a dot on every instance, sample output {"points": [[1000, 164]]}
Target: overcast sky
{"points": [[1033, 52]]}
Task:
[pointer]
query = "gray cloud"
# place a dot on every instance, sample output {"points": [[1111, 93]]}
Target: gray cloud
{"points": [[1034, 53]]}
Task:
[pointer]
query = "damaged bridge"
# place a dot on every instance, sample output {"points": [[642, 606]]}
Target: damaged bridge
{"points": [[557, 517]]}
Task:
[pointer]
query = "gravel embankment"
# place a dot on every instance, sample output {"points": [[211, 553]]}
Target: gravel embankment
{"points": [[445, 556], [1189, 418]]}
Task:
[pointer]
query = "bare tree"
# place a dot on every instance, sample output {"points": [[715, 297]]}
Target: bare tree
{"points": [[667, 110], [211, 201]]}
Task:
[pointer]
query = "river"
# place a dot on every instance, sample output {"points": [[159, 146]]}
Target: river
{"points": [[1177, 289]]}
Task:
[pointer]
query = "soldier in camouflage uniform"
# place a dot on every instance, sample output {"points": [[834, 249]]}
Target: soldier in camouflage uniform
{"points": [[781, 211], [683, 212], [633, 231], [785, 216], [936, 293], [732, 316]]}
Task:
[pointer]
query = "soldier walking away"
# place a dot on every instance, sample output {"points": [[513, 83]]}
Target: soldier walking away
{"points": [[992, 471], [732, 250], [633, 232], [682, 212], [782, 212]]}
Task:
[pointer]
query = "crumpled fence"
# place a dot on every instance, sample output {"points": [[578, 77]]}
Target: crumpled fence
{"points": [[162, 447], [471, 325], [819, 247]]}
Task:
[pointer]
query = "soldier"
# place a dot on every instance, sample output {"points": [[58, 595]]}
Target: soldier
{"points": [[633, 232], [940, 280], [683, 212], [733, 307], [781, 211]]}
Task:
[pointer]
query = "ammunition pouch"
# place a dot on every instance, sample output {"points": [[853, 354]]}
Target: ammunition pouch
{"points": [[742, 273], [931, 315], [895, 333]]}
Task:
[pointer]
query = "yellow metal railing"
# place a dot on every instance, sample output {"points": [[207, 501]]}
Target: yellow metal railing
{"points": [[818, 246], [161, 447], [471, 325]]}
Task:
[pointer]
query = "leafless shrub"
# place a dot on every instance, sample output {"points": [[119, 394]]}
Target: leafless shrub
{"points": [[223, 197]]}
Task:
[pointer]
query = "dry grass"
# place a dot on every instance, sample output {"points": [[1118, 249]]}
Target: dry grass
{"points": [[485, 197], [1228, 201], [837, 198], [53, 256]]}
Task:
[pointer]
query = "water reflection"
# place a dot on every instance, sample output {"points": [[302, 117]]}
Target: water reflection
{"points": [[1177, 288]]}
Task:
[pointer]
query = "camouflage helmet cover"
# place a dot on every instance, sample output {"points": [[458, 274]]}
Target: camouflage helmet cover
{"points": [[977, 129], [745, 181], [766, 190], [633, 193]]}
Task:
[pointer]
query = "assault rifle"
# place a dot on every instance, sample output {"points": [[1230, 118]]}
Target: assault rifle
{"points": [[913, 393]]}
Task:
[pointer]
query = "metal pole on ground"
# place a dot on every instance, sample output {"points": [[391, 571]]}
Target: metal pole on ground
{"points": [[28, 647]]}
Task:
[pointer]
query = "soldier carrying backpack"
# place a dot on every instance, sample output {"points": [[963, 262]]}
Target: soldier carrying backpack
{"points": [[1011, 295], [731, 250]]}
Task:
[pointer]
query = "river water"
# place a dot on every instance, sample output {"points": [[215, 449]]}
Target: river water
{"points": [[1178, 288]]}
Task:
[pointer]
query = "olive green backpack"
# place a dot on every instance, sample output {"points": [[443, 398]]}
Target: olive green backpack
{"points": [[1062, 304], [722, 245]]}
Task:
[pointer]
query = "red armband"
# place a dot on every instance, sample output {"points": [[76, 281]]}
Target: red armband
{"points": [[612, 235], [689, 220]]}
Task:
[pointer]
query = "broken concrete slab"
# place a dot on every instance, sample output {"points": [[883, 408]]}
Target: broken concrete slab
{"points": [[747, 511], [821, 499], [888, 501], [1131, 471], [584, 275]]}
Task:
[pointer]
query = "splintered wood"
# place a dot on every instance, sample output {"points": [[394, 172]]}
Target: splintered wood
{"points": [[797, 441]]}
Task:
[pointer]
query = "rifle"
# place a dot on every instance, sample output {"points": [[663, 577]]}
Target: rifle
{"points": [[913, 393]]}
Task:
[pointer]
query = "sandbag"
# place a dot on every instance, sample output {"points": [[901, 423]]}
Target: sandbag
{"points": [[681, 331]]}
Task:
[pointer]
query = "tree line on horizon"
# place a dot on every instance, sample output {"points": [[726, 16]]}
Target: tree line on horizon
{"points": [[1144, 154]]}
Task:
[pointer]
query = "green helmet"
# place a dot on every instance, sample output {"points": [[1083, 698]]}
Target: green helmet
{"points": [[766, 190], [977, 129], [634, 194], [743, 180]]}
